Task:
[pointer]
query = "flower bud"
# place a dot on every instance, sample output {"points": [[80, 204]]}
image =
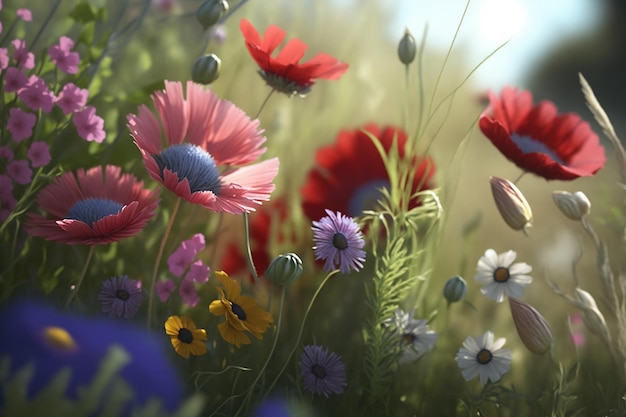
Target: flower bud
{"points": [[284, 268], [210, 11], [532, 328], [455, 288], [511, 203], [574, 206], [407, 48], [592, 317], [206, 69]]}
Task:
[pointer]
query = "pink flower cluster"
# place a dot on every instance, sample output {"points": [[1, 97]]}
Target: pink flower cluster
{"points": [[183, 262]]}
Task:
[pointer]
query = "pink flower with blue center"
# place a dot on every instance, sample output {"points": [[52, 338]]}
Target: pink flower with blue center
{"points": [[200, 147], [339, 242]]}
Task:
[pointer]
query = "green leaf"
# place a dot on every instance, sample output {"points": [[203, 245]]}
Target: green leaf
{"points": [[84, 13]]}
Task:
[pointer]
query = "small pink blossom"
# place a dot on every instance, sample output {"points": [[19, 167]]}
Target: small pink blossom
{"points": [[62, 56], [198, 272], [39, 154], [197, 242], [72, 98], [6, 153], [188, 293], [20, 171], [89, 125], [14, 79], [24, 14], [164, 289], [36, 94], [21, 55], [20, 124], [180, 259], [6, 185], [4, 58]]}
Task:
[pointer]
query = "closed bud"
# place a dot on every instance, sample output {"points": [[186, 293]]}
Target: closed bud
{"points": [[455, 288], [210, 12], [284, 268], [511, 204], [407, 48], [532, 328], [206, 69], [592, 317], [574, 206]]}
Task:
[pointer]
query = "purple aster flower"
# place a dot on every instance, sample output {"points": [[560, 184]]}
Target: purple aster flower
{"points": [[338, 241], [323, 373], [120, 297]]}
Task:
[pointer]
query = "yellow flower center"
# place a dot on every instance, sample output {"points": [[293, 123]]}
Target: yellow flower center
{"points": [[484, 356], [501, 274], [59, 338]]}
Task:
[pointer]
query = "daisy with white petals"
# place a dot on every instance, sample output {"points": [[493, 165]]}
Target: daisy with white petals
{"points": [[413, 335], [483, 356], [501, 276]]}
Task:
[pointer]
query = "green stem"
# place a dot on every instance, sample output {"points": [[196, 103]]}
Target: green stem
{"points": [[246, 227], [267, 361], [295, 346], [92, 249], [155, 272], [264, 103], [45, 23]]}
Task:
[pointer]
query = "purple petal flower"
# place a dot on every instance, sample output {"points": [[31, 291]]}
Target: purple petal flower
{"points": [[322, 373], [339, 242], [120, 297]]}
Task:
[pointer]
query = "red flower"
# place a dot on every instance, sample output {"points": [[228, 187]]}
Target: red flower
{"points": [[284, 73], [350, 173], [538, 140], [94, 207]]}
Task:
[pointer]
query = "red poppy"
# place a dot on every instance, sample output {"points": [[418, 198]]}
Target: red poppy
{"points": [[349, 174], [284, 73], [94, 207], [538, 139]]}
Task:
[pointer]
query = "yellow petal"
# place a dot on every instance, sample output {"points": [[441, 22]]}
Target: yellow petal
{"points": [[233, 289], [233, 336], [172, 325]]}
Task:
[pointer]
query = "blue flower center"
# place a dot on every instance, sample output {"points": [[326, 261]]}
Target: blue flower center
{"points": [[366, 197], [90, 210], [529, 145], [319, 371], [122, 294], [339, 241], [191, 162]]}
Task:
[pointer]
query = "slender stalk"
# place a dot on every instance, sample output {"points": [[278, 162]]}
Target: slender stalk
{"points": [[45, 23], [258, 113], [92, 249], [246, 227], [295, 346], [155, 272], [269, 356]]}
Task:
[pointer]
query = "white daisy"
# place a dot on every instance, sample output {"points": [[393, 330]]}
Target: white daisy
{"points": [[501, 276], [412, 334], [483, 357]]}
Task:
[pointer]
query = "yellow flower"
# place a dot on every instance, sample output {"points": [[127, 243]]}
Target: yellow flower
{"points": [[242, 313], [185, 337]]}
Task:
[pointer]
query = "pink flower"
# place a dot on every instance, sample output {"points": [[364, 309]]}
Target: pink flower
{"points": [[188, 293], [4, 59], [24, 14], [196, 242], [164, 289], [20, 171], [36, 94], [62, 56], [198, 272], [6, 153], [6, 185], [72, 98], [210, 144], [21, 55], [20, 124], [39, 154], [14, 79], [89, 125], [184, 255]]}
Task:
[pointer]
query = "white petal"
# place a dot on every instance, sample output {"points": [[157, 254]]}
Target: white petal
{"points": [[520, 268], [507, 258]]}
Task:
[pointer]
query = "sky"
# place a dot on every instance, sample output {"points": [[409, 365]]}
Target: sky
{"points": [[530, 26]]}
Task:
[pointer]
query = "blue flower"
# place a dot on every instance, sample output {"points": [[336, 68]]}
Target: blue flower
{"points": [[51, 340], [339, 242]]}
